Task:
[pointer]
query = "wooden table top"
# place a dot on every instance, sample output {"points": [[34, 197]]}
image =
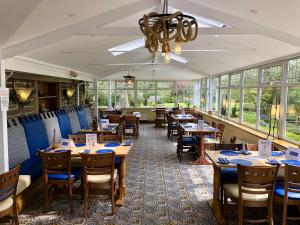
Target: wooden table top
{"points": [[193, 128], [119, 151], [183, 117], [104, 129], [254, 158]]}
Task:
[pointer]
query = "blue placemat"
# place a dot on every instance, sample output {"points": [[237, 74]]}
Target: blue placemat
{"points": [[63, 150], [102, 151], [277, 153], [229, 152], [80, 144], [242, 162], [112, 144], [291, 162]]}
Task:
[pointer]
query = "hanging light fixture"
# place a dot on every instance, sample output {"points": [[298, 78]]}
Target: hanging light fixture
{"points": [[165, 27], [129, 79]]}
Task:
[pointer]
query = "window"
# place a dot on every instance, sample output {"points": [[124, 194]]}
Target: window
{"points": [[271, 74], [268, 111], [203, 94], [145, 93], [249, 106], [123, 98], [184, 93], [103, 89], [88, 92], [293, 114], [293, 69], [223, 102], [250, 77], [234, 106], [235, 80], [165, 94], [224, 81], [215, 95]]}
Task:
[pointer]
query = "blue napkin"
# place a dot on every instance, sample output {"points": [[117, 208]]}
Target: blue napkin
{"points": [[80, 144], [277, 153], [103, 151], [223, 160], [291, 162], [245, 152], [273, 162]]}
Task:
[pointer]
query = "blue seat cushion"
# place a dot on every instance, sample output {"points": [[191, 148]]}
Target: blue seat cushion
{"points": [[130, 125], [279, 191], [117, 161], [190, 141], [228, 175], [76, 172]]}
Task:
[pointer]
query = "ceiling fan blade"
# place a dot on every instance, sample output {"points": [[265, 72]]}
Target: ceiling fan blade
{"points": [[178, 58], [129, 46]]}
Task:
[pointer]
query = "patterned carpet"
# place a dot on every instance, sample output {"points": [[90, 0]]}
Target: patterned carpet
{"points": [[159, 191]]}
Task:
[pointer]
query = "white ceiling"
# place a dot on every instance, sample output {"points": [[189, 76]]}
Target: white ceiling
{"points": [[77, 33]]}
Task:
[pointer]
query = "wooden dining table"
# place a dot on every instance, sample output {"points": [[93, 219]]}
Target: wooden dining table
{"points": [[120, 151], [193, 129], [183, 118], [104, 129], [255, 160]]}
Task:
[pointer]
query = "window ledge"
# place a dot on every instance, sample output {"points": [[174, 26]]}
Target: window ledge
{"points": [[280, 142]]}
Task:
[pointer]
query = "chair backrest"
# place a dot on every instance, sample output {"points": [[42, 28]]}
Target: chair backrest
{"points": [[180, 133], [176, 111], [292, 179], [51, 123], [220, 133], [78, 138], [64, 122], [257, 180], [82, 117], [233, 140], [236, 147], [189, 111], [251, 147], [96, 164], [129, 119], [9, 182], [213, 124], [104, 138], [160, 112], [56, 162], [114, 118]]}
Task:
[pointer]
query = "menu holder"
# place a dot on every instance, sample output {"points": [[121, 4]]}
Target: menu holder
{"points": [[91, 140], [104, 122], [264, 148], [293, 153]]}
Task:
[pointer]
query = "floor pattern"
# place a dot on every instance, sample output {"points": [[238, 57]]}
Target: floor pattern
{"points": [[159, 191]]}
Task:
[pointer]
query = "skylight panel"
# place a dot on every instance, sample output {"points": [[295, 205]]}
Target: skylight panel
{"points": [[127, 47]]}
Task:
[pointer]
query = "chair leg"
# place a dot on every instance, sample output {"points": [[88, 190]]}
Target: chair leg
{"points": [[285, 207], [240, 214], [113, 206], [15, 213], [270, 213], [45, 205], [85, 201], [70, 197]]}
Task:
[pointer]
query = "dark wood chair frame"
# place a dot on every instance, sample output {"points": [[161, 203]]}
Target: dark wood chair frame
{"points": [[181, 147], [129, 119], [160, 118]]}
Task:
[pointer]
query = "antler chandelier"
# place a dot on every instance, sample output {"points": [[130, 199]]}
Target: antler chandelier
{"points": [[165, 27]]}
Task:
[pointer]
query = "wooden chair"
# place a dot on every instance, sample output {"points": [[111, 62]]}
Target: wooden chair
{"points": [[111, 137], [254, 190], [172, 127], [233, 140], [130, 122], [215, 139], [189, 111], [114, 118], [78, 138], [57, 172], [289, 191], [186, 144], [213, 124], [160, 118], [235, 147], [251, 147], [8, 189], [98, 172]]}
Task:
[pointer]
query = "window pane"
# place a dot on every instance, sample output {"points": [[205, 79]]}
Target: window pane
{"points": [[293, 114], [271, 74], [185, 93], [89, 92], [165, 98], [215, 83], [165, 85], [123, 98], [103, 84], [235, 79], [294, 70], [146, 84], [215, 100], [251, 77], [203, 98], [249, 106], [234, 104], [224, 102], [103, 98], [224, 81], [204, 83], [145, 98], [268, 101], [122, 85]]}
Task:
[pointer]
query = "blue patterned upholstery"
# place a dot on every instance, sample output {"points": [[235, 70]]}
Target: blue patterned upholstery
{"points": [[279, 191], [75, 174], [36, 137], [82, 117], [64, 123]]}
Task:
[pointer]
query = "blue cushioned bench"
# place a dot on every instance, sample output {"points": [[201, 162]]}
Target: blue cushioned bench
{"points": [[73, 116], [36, 137], [64, 122], [82, 117], [51, 123]]}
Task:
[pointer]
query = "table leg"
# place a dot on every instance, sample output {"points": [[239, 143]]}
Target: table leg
{"points": [[138, 127], [201, 160], [216, 196], [122, 185]]}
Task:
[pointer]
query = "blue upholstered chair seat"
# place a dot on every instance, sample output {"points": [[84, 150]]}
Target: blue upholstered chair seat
{"points": [[130, 125], [228, 175], [279, 191], [64, 176], [189, 141], [209, 136]]}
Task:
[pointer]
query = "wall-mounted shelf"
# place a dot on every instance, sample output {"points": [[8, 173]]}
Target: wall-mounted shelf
{"points": [[48, 96]]}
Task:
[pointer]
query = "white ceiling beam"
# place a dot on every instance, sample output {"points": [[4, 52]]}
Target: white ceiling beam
{"points": [[83, 26], [247, 26], [135, 31]]}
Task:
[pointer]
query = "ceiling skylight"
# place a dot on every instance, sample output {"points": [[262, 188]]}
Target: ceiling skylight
{"points": [[129, 46]]}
